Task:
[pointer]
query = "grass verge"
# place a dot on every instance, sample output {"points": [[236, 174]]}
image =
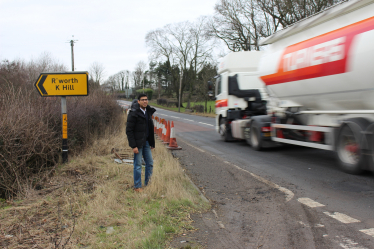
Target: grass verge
{"points": [[90, 203], [182, 109]]}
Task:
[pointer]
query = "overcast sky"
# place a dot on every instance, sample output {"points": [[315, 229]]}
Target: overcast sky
{"points": [[111, 32]]}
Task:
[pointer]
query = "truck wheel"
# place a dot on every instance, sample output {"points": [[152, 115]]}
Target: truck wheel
{"points": [[223, 130], [370, 139], [255, 136], [247, 133], [349, 146]]}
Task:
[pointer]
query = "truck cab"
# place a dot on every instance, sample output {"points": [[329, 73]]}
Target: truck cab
{"points": [[240, 93]]}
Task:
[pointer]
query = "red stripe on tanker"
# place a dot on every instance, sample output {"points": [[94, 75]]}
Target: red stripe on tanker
{"points": [[320, 56]]}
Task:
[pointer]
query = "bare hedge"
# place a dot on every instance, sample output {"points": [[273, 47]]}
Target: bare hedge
{"points": [[30, 127], [168, 102]]}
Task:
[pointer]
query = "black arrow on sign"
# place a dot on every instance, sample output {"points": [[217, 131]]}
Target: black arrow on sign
{"points": [[40, 85]]}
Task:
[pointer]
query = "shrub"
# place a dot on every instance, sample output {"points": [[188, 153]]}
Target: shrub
{"points": [[30, 127], [198, 108], [162, 101], [147, 91], [168, 103]]}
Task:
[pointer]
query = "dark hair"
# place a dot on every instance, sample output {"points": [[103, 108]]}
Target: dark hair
{"points": [[142, 95]]}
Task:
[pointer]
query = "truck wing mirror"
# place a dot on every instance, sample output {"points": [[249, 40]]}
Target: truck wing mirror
{"points": [[210, 86]]}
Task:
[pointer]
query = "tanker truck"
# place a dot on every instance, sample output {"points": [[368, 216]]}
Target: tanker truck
{"points": [[319, 74]]}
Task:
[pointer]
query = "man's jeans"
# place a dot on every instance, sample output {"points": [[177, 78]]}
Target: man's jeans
{"points": [[145, 152]]}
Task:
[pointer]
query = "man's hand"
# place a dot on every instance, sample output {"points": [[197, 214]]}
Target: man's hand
{"points": [[135, 150]]}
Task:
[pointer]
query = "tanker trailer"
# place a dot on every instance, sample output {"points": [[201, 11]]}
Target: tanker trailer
{"points": [[319, 74]]}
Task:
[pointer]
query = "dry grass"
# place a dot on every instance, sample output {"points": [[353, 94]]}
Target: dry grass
{"points": [[92, 195]]}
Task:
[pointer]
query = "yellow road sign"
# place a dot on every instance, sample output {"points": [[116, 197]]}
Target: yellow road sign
{"points": [[62, 84]]}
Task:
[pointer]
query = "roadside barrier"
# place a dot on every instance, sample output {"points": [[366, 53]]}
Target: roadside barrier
{"points": [[173, 141]]}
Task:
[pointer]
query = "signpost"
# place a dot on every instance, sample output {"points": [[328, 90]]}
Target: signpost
{"points": [[63, 84]]}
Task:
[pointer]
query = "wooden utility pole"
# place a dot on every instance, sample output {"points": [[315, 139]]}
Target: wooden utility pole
{"points": [[180, 90], [65, 115]]}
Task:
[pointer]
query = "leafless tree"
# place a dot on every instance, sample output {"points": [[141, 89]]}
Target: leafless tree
{"points": [[185, 45], [240, 24], [204, 76], [127, 80], [287, 12], [181, 42], [138, 74], [201, 53], [97, 72], [122, 76], [159, 45], [112, 83]]}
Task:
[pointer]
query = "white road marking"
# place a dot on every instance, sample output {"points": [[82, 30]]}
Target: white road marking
{"points": [[174, 117], [310, 203], [194, 147], [189, 120], [369, 232], [166, 115], [319, 225], [342, 217], [205, 124], [348, 243]]}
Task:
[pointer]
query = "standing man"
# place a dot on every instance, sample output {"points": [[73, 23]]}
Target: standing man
{"points": [[140, 133]]}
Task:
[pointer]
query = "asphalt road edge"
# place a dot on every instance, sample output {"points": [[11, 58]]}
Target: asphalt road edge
{"points": [[288, 193]]}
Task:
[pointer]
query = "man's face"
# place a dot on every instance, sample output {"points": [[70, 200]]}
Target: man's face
{"points": [[143, 102]]}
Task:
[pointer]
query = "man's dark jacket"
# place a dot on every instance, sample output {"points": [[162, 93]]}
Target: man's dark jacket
{"points": [[136, 127]]}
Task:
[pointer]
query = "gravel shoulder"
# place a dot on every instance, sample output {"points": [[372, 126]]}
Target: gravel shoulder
{"points": [[246, 213]]}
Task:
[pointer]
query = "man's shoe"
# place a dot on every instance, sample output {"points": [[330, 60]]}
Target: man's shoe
{"points": [[138, 190]]}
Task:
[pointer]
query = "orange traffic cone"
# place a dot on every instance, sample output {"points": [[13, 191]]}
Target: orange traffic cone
{"points": [[159, 129], [163, 131], [155, 124], [167, 135], [168, 132], [173, 141]]}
